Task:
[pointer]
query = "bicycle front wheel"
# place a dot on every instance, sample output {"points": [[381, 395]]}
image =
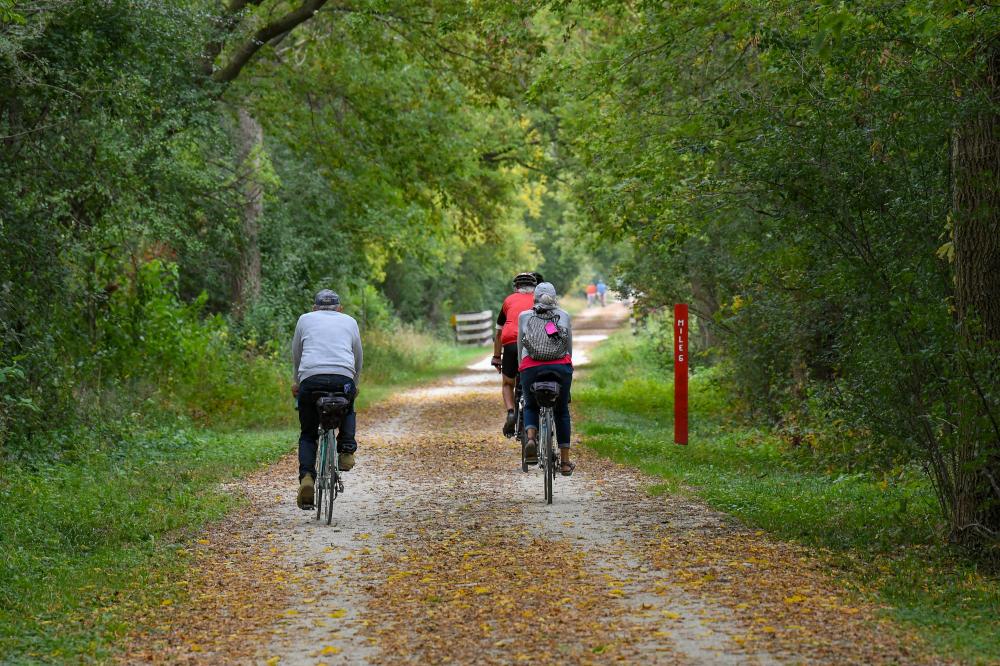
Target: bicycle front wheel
{"points": [[519, 435], [331, 491], [320, 477]]}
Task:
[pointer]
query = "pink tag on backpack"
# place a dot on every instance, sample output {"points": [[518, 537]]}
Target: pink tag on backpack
{"points": [[551, 328]]}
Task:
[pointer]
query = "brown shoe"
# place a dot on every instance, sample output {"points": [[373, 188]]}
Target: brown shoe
{"points": [[531, 452], [345, 461], [307, 491]]}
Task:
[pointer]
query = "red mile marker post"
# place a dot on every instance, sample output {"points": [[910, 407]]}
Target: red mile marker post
{"points": [[681, 325]]}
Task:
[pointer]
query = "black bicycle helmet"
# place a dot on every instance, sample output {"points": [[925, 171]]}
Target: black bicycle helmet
{"points": [[524, 280], [538, 278]]}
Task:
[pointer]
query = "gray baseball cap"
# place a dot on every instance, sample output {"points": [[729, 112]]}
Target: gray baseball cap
{"points": [[326, 298], [545, 289]]}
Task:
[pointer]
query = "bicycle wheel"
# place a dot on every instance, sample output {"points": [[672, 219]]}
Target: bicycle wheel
{"points": [[553, 449], [519, 425], [320, 477], [334, 476], [545, 440]]}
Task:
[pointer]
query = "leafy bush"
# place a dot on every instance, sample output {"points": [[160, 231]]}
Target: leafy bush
{"points": [[878, 526]]}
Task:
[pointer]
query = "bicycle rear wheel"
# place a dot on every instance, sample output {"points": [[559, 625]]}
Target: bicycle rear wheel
{"points": [[321, 475], [545, 440]]}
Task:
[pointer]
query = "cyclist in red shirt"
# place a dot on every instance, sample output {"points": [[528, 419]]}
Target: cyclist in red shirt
{"points": [[505, 341]]}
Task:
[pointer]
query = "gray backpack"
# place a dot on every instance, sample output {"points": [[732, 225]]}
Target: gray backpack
{"points": [[538, 343]]}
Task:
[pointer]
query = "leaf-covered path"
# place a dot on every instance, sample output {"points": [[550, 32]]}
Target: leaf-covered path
{"points": [[443, 551]]}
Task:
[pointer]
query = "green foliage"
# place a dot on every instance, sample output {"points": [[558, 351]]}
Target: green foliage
{"points": [[784, 167], [122, 216], [879, 530], [101, 525]]}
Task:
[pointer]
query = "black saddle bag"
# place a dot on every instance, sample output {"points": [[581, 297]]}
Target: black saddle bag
{"points": [[332, 408], [546, 393]]}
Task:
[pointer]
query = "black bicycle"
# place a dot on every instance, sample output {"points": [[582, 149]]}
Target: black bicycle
{"points": [[332, 408]]}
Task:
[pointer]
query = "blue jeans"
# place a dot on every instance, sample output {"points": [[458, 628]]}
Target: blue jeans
{"points": [[562, 373], [309, 419]]}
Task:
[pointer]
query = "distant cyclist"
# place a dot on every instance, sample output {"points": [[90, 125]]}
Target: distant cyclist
{"points": [[602, 293], [554, 321], [505, 341], [326, 357]]}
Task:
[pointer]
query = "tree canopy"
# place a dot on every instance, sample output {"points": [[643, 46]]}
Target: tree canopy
{"points": [[819, 179]]}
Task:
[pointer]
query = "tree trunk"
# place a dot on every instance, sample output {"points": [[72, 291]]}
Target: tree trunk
{"points": [[976, 219], [250, 142], [705, 307]]}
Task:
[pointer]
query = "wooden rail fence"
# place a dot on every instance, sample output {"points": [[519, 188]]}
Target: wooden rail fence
{"points": [[474, 328]]}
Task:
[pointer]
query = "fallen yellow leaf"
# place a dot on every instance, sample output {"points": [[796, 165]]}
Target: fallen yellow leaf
{"points": [[330, 649]]}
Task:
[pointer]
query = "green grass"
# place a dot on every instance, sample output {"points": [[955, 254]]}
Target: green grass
{"points": [[92, 530], [882, 536], [394, 360], [96, 528]]}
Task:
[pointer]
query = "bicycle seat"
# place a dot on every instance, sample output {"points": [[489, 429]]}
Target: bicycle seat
{"points": [[546, 393], [332, 408]]}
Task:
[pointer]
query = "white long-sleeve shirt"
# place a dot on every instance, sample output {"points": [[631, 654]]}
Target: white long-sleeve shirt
{"points": [[326, 342]]}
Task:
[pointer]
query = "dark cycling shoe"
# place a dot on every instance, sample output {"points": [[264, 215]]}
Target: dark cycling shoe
{"points": [[508, 425], [531, 452]]}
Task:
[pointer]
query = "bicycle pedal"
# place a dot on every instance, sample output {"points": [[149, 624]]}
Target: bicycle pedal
{"points": [[308, 507]]}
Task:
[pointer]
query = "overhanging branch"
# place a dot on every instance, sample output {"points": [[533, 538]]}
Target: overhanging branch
{"points": [[246, 51]]}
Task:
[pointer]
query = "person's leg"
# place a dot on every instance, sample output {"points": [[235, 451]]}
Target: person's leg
{"points": [[561, 409], [308, 426], [530, 414], [562, 418], [508, 370], [508, 392], [346, 442]]}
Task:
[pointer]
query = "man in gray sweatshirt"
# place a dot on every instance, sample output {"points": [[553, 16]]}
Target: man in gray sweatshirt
{"points": [[326, 357]]}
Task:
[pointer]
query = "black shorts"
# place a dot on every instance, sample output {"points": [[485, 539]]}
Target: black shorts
{"points": [[509, 362]]}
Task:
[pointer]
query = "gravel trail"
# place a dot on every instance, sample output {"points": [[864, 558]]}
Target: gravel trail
{"points": [[443, 551]]}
